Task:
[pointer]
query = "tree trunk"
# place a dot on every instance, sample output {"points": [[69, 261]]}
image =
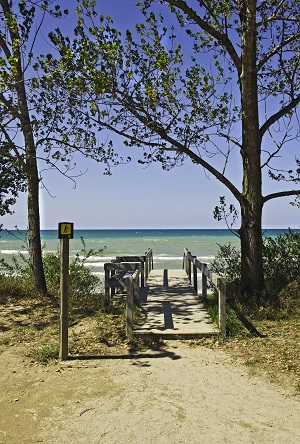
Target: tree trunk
{"points": [[251, 199], [252, 279], [35, 249]]}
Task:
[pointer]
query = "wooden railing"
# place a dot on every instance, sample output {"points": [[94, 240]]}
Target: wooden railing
{"points": [[128, 273], [146, 263], [191, 265], [132, 293]]}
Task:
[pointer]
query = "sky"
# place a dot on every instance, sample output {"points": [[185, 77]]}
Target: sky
{"points": [[135, 196]]}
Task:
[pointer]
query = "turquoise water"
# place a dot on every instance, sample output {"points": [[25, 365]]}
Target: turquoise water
{"points": [[167, 245]]}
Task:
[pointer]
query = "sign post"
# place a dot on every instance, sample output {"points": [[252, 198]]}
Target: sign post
{"points": [[65, 233]]}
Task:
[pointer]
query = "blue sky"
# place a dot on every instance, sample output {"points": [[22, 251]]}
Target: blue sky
{"points": [[137, 197]]}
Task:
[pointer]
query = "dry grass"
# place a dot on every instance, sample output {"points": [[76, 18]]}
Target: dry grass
{"points": [[276, 354], [32, 324]]}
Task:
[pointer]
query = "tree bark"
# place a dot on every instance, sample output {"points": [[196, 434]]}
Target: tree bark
{"points": [[251, 199], [35, 250], [31, 169]]}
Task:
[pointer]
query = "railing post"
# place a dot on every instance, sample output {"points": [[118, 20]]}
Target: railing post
{"points": [[204, 282], [222, 305], [107, 289], [143, 273], [129, 306], [112, 290], [189, 268], [195, 277], [146, 266], [184, 260]]}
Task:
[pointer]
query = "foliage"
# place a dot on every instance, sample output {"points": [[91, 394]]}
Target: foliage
{"points": [[233, 325], [281, 262], [53, 126], [36, 121], [209, 82], [84, 287], [289, 299], [12, 181], [221, 213], [227, 263]]}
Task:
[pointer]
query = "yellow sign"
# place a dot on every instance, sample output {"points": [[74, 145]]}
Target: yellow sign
{"points": [[65, 230]]}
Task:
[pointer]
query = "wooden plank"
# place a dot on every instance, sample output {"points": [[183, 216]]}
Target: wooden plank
{"points": [[175, 310]]}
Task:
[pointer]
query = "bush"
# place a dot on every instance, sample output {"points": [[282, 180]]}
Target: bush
{"points": [[84, 287], [227, 263], [281, 256], [289, 299], [281, 262]]}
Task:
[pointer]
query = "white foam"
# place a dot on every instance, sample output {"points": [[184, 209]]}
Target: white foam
{"points": [[13, 252], [167, 258]]}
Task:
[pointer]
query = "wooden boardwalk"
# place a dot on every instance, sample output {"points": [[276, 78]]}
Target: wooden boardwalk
{"points": [[172, 308]]}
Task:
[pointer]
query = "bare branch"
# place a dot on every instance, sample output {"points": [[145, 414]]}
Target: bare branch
{"points": [[281, 194], [222, 38], [276, 50], [281, 113]]}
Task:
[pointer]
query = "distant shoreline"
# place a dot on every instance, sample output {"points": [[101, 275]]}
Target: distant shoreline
{"points": [[155, 229]]}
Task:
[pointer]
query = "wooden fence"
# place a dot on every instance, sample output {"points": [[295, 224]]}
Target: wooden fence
{"points": [[127, 273], [191, 265], [146, 263]]}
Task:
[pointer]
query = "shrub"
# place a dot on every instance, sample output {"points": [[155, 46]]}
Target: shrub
{"points": [[281, 262], [84, 287], [289, 299], [227, 263], [281, 258]]}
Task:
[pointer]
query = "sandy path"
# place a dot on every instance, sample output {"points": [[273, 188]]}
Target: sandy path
{"points": [[176, 395]]}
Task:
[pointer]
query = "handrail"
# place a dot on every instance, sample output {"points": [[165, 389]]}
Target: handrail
{"points": [[218, 281], [148, 263], [130, 268], [132, 293], [145, 260]]}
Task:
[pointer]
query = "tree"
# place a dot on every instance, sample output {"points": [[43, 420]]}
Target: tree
{"points": [[12, 181], [232, 92], [36, 124]]}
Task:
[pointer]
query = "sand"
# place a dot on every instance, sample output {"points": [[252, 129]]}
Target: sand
{"points": [[176, 394]]}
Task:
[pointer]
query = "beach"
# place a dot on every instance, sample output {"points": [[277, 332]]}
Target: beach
{"points": [[178, 393]]}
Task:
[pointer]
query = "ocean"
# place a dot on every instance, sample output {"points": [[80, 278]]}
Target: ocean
{"points": [[167, 244]]}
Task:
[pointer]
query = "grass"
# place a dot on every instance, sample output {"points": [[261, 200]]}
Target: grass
{"points": [[31, 324], [276, 354]]}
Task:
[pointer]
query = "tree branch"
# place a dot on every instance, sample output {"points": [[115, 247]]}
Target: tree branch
{"points": [[281, 194], [4, 46], [222, 38], [276, 50], [285, 110], [150, 123]]}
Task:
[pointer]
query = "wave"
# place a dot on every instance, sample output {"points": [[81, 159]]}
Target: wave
{"points": [[167, 258], [11, 252]]}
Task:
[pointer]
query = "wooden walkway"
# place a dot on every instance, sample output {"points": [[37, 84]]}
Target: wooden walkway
{"points": [[172, 308]]}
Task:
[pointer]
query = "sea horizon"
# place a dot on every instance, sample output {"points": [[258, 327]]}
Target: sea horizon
{"points": [[167, 244]]}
